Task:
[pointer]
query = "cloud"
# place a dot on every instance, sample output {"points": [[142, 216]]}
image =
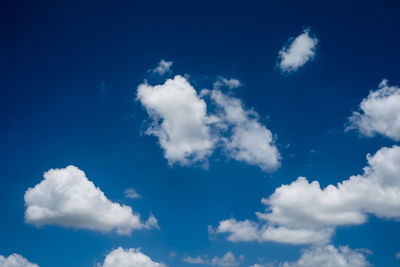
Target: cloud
{"points": [[247, 139], [15, 260], [397, 256], [66, 197], [129, 258], [228, 259], [179, 120], [230, 83], [304, 213], [163, 67], [329, 256], [131, 193], [379, 113], [297, 52]]}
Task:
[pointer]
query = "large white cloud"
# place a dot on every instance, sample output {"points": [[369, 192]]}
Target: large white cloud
{"points": [[15, 260], [297, 52], [229, 259], [189, 134], [179, 120], [129, 258], [247, 139], [303, 212], [379, 113], [66, 197]]}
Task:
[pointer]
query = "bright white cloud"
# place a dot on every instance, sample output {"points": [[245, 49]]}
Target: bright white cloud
{"points": [[15, 260], [297, 52], [163, 67], [228, 259], [329, 256], [247, 140], [379, 113], [179, 120], [303, 212], [131, 193], [66, 197], [129, 258]]}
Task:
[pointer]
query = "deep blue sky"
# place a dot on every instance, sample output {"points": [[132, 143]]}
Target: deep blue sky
{"points": [[55, 55]]}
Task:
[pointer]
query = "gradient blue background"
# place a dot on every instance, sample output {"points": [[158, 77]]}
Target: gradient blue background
{"points": [[56, 55]]}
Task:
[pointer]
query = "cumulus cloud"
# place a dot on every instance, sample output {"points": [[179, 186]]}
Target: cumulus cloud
{"points": [[230, 83], [66, 197], [179, 120], [228, 259], [304, 213], [297, 52], [247, 139], [15, 260], [188, 133], [163, 67], [131, 193], [379, 113], [329, 256], [129, 258]]}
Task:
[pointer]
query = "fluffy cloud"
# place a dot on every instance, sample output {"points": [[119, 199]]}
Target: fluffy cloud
{"points": [[129, 258], [329, 256], [303, 212], [179, 120], [230, 83], [297, 52], [163, 67], [248, 140], [15, 260], [188, 134], [228, 259], [379, 113], [66, 197]]}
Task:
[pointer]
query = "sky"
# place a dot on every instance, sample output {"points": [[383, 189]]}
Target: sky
{"points": [[213, 133]]}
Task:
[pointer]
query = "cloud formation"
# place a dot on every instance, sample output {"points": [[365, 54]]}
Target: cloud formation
{"points": [[15, 260], [189, 133], [163, 67], [304, 213], [66, 197], [379, 113], [297, 52], [129, 258], [228, 259], [131, 193]]}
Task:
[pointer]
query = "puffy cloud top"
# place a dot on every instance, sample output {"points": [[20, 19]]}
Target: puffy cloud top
{"points": [[379, 113], [129, 258], [66, 197], [297, 52], [15, 260]]}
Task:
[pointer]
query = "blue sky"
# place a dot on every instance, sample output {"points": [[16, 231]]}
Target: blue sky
{"points": [[250, 96]]}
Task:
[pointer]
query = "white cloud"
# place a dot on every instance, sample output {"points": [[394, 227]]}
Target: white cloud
{"points": [[297, 52], [379, 113], [329, 256], [15, 260], [302, 212], [179, 120], [66, 197], [129, 258], [230, 83], [131, 193], [228, 259], [163, 67], [248, 140]]}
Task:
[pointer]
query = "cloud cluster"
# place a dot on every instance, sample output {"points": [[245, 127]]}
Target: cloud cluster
{"points": [[15, 260], [66, 197], [188, 133], [297, 52], [228, 259], [129, 258], [379, 113], [304, 213]]}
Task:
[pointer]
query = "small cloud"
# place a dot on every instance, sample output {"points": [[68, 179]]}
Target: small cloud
{"points": [[230, 83], [131, 193], [398, 255], [163, 67]]}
